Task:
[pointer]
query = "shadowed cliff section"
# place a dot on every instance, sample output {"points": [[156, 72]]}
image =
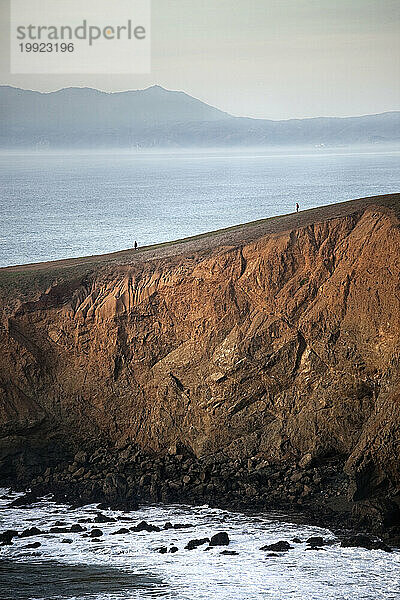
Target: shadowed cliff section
{"points": [[265, 343]]}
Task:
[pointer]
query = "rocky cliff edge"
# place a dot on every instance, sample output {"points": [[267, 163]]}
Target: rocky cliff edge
{"points": [[265, 358]]}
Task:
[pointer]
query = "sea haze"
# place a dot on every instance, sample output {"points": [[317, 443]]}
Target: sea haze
{"points": [[56, 205]]}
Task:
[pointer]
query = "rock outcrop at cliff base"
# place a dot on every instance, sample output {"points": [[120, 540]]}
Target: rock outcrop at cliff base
{"points": [[263, 346]]}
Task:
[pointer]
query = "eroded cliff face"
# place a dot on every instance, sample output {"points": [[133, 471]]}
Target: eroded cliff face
{"points": [[273, 348]]}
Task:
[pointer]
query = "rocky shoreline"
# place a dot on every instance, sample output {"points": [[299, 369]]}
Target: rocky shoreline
{"points": [[169, 541], [255, 369], [307, 491]]}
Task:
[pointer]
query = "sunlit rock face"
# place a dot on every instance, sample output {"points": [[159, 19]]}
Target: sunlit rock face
{"points": [[276, 342]]}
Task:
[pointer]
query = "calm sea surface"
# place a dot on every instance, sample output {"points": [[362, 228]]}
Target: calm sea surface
{"points": [[63, 205]]}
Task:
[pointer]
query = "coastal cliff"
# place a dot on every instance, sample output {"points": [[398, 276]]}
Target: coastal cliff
{"points": [[255, 366]]}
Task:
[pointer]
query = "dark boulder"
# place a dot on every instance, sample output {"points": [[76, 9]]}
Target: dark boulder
{"points": [[173, 549], [96, 533], [192, 544], [220, 539], [66, 541], [30, 531], [143, 526], [33, 545], [76, 528], [364, 541], [315, 541], [118, 493], [121, 531], [229, 552], [100, 518], [81, 458], [162, 550], [281, 546], [7, 536], [115, 485], [25, 500]]}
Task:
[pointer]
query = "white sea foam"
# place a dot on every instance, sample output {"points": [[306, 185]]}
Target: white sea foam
{"points": [[333, 573]]}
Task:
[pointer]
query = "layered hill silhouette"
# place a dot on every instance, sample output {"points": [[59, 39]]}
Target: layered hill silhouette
{"points": [[160, 118]]}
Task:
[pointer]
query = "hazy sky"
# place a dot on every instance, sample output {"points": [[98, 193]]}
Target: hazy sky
{"points": [[263, 58]]}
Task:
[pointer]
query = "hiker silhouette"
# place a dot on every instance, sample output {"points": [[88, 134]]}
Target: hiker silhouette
{"points": [[297, 207]]}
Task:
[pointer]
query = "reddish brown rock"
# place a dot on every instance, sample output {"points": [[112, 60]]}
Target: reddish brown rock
{"points": [[276, 340]]}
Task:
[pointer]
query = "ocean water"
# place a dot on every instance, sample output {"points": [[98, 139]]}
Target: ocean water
{"points": [[66, 205], [56, 206], [129, 566]]}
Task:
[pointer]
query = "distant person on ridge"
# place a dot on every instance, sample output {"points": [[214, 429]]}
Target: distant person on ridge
{"points": [[135, 245], [297, 207]]}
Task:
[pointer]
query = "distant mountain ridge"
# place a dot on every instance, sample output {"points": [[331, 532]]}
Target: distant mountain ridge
{"points": [[160, 118]]}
